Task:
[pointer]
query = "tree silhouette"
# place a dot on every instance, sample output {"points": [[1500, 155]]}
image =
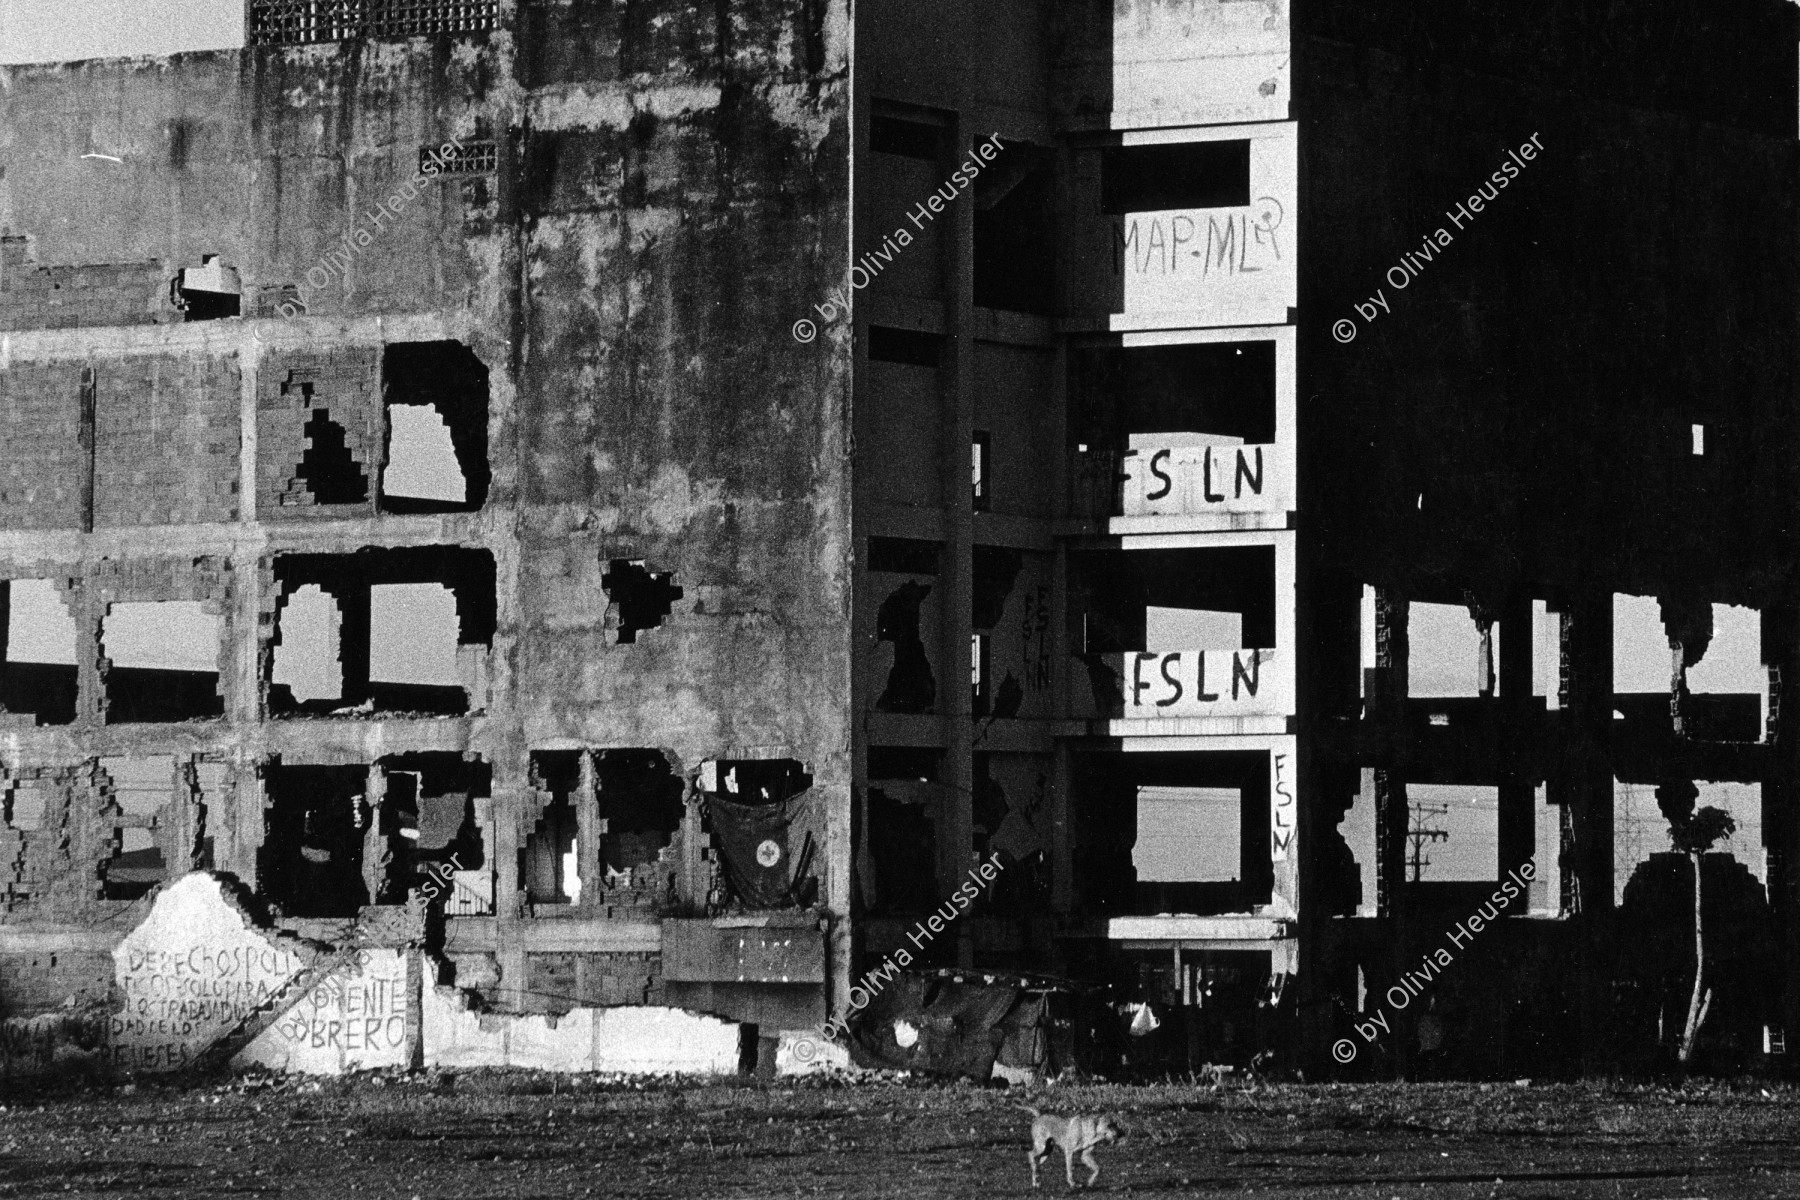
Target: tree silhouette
{"points": [[1693, 833]]}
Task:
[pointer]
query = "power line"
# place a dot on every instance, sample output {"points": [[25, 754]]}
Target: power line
{"points": [[1420, 836]]}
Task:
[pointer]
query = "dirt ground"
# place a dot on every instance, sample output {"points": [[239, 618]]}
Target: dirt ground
{"points": [[515, 1136]]}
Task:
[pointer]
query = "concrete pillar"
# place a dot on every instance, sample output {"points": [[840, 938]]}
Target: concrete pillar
{"points": [[1517, 833], [955, 824], [1583, 787], [1586, 784], [590, 827], [1388, 705], [1780, 793], [378, 854]]}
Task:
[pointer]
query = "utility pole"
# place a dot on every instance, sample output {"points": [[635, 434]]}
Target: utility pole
{"points": [[1420, 836]]}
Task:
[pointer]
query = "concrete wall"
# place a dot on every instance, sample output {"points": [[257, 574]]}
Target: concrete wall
{"points": [[665, 193]]}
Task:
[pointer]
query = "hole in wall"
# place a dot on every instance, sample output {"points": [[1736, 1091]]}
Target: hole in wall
{"points": [[39, 678], [436, 397], [640, 799], [413, 629], [549, 862], [310, 862], [308, 670], [162, 661], [327, 468], [640, 598], [209, 292], [142, 791], [431, 826], [413, 664]]}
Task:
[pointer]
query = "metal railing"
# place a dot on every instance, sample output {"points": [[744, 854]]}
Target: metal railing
{"points": [[303, 22]]}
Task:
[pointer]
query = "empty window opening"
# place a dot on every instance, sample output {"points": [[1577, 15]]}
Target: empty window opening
{"points": [[140, 796], [903, 138], [413, 652], [640, 598], [1188, 835], [405, 630], [1198, 839], [1641, 657], [1212, 393], [327, 467], [1137, 179], [755, 780], [1446, 656], [1732, 663], [1193, 593], [316, 823], [1015, 206], [161, 661], [903, 556], [308, 671], [978, 466], [1641, 828], [1170, 629], [1698, 433], [908, 347], [208, 292], [911, 686], [430, 826], [39, 652], [549, 866], [640, 807], [1546, 654], [437, 404], [1452, 833], [421, 460]]}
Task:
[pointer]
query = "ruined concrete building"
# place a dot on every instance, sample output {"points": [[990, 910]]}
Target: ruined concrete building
{"points": [[591, 511]]}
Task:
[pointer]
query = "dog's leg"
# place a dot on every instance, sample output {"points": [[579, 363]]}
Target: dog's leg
{"points": [[1069, 1167], [1087, 1156], [1031, 1156]]}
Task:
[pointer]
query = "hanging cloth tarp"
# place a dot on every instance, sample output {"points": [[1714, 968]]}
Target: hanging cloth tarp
{"points": [[763, 849]]}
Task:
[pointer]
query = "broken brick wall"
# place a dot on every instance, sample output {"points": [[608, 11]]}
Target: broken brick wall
{"points": [[34, 296], [559, 982], [45, 469], [165, 440], [131, 440], [318, 434]]}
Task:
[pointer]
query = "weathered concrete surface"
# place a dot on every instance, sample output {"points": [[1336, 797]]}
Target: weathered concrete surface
{"points": [[670, 194], [194, 970], [635, 1040]]}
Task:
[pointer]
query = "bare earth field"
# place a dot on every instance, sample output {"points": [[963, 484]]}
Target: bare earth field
{"points": [[527, 1136]]}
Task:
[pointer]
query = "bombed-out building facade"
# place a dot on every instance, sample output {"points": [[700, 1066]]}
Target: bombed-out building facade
{"points": [[601, 535]]}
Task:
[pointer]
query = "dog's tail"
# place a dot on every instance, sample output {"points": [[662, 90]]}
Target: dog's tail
{"points": [[1027, 1108]]}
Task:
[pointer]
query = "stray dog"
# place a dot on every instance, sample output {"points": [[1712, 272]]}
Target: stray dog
{"points": [[1078, 1135]]}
